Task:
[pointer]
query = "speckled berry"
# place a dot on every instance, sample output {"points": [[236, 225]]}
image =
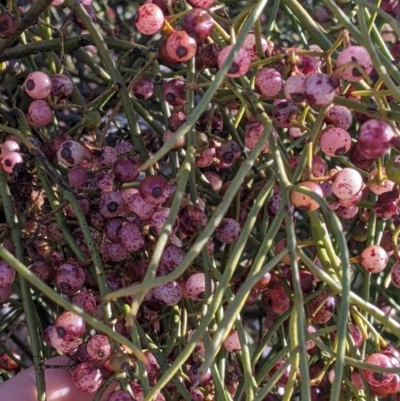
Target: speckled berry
{"points": [[335, 142], [347, 183], [232, 342], [241, 62], [149, 19], [228, 231], [320, 89], [295, 88], [131, 237], [87, 377], [70, 326], [99, 347], [358, 54], [168, 294], [374, 259], [268, 82], [195, 287]]}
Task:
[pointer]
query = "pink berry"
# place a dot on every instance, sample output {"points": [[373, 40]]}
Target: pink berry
{"points": [[158, 220], [149, 19], [43, 271], [5, 293], [7, 274], [206, 158], [269, 82], [104, 180], [61, 344], [284, 112], [198, 23], [85, 300], [105, 156], [335, 142], [38, 85], [154, 189], [131, 237], [339, 116], [174, 92], [78, 177], [136, 204], [9, 146], [123, 147], [228, 152], [169, 294], [214, 179], [110, 204], [120, 395], [180, 46], [320, 90], [228, 231], [252, 134], [395, 274], [70, 278], [321, 308], [303, 201], [241, 62], [251, 47], [40, 112], [195, 287], [170, 259], [374, 259], [99, 347], [354, 200], [232, 342], [347, 183], [278, 300], [126, 169], [70, 153], [113, 251], [347, 213], [375, 378], [143, 89], [374, 138], [70, 326], [295, 88], [356, 379], [383, 187], [10, 159], [61, 86], [87, 377], [358, 54], [179, 143]]}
